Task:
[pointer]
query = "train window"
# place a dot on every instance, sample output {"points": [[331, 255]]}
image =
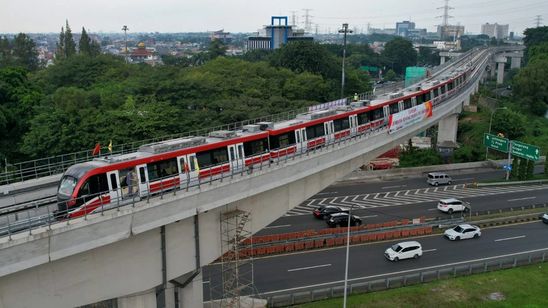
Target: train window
{"points": [[394, 108], [315, 131], [212, 157], [407, 103], [376, 114], [283, 140], [162, 169], [255, 147], [420, 99], [341, 124], [426, 96], [142, 175], [67, 185], [113, 181], [443, 89], [192, 163], [363, 118], [94, 185], [450, 86], [182, 163]]}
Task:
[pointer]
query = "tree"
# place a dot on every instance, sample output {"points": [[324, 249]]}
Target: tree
{"points": [[522, 173], [70, 46], [84, 46], [301, 56], [509, 123], [546, 164], [5, 52], [428, 56], [399, 54], [216, 49], [530, 170], [24, 52], [514, 173], [60, 50], [535, 36], [390, 75], [531, 84]]}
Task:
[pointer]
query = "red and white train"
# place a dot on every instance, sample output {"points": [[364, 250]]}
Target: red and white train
{"points": [[179, 163]]}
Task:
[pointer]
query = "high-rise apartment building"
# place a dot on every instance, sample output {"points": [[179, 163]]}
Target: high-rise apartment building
{"points": [[495, 30]]}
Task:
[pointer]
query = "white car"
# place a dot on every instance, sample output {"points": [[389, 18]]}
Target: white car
{"points": [[452, 205], [404, 250], [462, 232]]}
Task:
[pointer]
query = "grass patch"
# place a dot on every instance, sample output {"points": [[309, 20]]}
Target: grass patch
{"points": [[519, 287]]}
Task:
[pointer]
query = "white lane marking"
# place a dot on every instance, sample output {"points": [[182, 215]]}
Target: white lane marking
{"points": [[395, 186], [327, 193], [309, 267], [370, 216], [509, 238], [520, 199], [429, 250], [204, 282], [408, 271], [278, 226]]}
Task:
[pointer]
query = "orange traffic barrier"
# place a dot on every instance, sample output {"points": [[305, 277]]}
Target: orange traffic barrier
{"points": [[318, 243], [289, 247], [275, 237], [370, 226], [404, 233], [405, 221], [420, 231], [309, 244], [413, 232], [279, 248], [364, 238], [388, 235], [299, 246], [340, 241], [356, 239], [397, 234], [428, 230], [330, 242], [380, 236]]}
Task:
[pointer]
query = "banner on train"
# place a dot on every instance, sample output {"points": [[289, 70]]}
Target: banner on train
{"points": [[329, 105], [409, 117]]}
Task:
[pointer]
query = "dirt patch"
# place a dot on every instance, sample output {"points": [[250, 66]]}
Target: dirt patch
{"points": [[450, 293], [496, 296]]}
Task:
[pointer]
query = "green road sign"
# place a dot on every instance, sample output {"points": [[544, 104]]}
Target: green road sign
{"points": [[497, 143], [525, 150]]}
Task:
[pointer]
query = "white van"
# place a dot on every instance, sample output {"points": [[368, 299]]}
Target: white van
{"points": [[404, 250], [437, 178]]}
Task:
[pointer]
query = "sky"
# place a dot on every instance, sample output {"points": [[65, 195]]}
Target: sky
{"points": [[32, 16]]}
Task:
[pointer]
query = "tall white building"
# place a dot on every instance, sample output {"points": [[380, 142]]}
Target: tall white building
{"points": [[495, 30]]}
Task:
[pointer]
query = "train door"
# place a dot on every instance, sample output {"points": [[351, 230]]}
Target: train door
{"points": [[301, 141], [401, 107], [115, 191], [353, 124], [142, 177], [184, 170], [193, 169], [413, 101], [236, 157], [329, 131]]}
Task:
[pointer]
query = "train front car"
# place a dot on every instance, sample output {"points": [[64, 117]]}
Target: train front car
{"points": [[69, 192]]}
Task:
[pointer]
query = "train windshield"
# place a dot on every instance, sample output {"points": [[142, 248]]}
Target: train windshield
{"points": [[67, 185]]}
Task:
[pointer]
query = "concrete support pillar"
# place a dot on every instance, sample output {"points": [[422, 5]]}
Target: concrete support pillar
{"points": [[447, 129], [467, 101], [500, 72], [493, 69], [192, 294], [515, 62], [442, 60], [140, 300]]}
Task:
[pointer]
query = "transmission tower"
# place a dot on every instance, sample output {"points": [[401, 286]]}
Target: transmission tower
{"points": [[237, 273], [294, 17], [538, 20], [445, 15], [307, 20]]}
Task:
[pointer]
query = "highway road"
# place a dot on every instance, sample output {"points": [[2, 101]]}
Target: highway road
{"points": [[325, 268], [381, 201]]}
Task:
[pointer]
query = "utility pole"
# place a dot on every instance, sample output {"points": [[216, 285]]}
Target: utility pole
{"points": [[345, 31], [125, 29], [294, 18], [538, 20]]}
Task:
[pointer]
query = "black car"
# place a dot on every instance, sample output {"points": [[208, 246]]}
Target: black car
{"points": [[341, 220], [326, 210], [544, 218]]}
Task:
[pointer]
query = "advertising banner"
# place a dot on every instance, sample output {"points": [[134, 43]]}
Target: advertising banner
{"points": [[409, 117]]}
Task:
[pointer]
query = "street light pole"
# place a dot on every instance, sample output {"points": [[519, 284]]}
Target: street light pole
{"points": [[345, 31], [347, 255], [491, 122]]}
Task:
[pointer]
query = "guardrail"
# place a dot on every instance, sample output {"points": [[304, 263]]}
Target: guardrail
{"points": [[458, 269], [37, 217]]}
